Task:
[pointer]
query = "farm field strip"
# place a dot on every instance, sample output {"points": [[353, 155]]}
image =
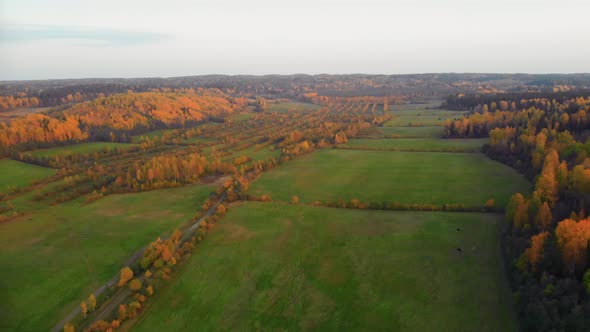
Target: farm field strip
{"points": [[400, 177], [299, 268], [411, 132], [417, 144], [21, 174]]}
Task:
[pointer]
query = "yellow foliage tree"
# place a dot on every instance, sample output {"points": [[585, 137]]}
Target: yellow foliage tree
{"points": [[135, 285], [84, 309], [91, 302], [69, 328], [126, 275]]}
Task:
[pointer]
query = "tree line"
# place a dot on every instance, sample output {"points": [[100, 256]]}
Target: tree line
{"points": [[547, 233]]}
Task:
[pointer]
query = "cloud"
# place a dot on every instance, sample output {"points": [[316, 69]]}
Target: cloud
{"points": [[17, 33]]}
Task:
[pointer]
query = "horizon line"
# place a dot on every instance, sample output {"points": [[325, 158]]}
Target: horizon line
{"points": [[293, 74]]}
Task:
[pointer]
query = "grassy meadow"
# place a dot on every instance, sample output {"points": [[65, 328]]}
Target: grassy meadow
{"points": [[404, 132], [281, 267], [53, 257], [413, 116], [402, 177], [416, 120], [15, 174], [419, 144]]}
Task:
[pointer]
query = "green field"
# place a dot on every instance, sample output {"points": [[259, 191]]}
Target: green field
{"points": [[14, 174], [53, 258], [419, 144], [423, 112], [417, 105], [287, 268], [402, 177], [287, 106], [420, 117], [432, 131], [81, 148], [417, 120]]}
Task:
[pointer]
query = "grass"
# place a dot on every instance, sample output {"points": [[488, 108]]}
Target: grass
{"points": [[417, 120], [288, 268], [420, 117], [53, 258], [419, 144], [424, 112], [82, 148], [432, 131], [287, 106], [15, 174], [418, 105], [403, 177]]}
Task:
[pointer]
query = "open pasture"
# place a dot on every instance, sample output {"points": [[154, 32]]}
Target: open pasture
{"points": [[15, 174], [418, 115], [54, 257], [271, 266], [419, 144], [403, 177], [432, 131], [417, 120]]}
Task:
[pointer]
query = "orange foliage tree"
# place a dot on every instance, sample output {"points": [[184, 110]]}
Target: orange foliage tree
{"points": [[534, 253], [573, 237], [126, 275]]}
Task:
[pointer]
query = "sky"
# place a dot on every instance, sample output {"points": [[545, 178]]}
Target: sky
{"points": [[130, 38]]}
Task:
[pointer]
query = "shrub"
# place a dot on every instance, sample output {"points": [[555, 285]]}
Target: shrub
{"points": [[135, 285], [126, 275]]}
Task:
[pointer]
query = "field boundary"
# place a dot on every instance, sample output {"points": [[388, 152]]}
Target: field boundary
{"points": [[391, 206]]}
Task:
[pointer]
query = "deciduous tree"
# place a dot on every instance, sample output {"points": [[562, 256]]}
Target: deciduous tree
{"points": [[126, 275]]}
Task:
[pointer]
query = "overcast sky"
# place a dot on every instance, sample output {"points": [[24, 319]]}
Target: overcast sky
{"points": [[138, 38]]}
